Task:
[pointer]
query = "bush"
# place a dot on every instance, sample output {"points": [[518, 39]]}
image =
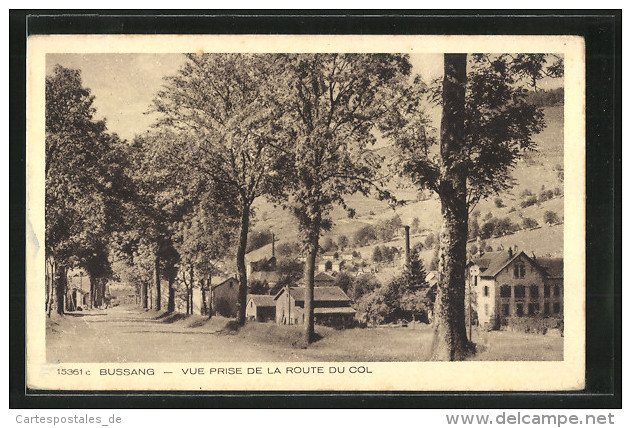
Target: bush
{"points": [[532, 200], [342, 242], [430, 241], [550, 217], [499, 203], [529, 223], [377, 256], [288, 249], [365, 236]]}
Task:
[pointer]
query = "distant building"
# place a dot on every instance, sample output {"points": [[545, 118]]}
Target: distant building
{"points": [[323, 279], [224, 296], [331, 306], [432, 278], [510, 284], [260, 308]]}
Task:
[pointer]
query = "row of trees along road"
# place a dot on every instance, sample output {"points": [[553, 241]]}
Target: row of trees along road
{"points": [[298, 129]]}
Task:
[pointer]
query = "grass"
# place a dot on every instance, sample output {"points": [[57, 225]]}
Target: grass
{"points": [[130, 335]]}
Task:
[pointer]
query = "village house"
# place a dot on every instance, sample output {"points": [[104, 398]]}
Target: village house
{"points": [[224, 296], [510, 285], [323, 279], [331, 306], [260, 308]]}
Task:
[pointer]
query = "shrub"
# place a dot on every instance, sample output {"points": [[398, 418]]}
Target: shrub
{"points": [[499, 203], [550, 217], [430, 240], [365, 235], [529, 223], [532, 200]]}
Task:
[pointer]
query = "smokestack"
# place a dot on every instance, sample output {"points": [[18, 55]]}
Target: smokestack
{"points": [[407, 245]]}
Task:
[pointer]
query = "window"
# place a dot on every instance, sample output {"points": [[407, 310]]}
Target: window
{"points": [[533, 308], [557, 291], [516, 271], [520, 309], [520, 291], [556, 307], [505, 291], [546, 291], [475, 281], [506, 309], [486, 290], [519, 271], [546, 308], [534, 290]]}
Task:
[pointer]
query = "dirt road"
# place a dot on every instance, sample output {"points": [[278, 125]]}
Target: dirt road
{"points": [[128, 334]]}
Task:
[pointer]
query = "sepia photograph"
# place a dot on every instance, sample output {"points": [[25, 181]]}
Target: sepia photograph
{"points": [[263, 213]]}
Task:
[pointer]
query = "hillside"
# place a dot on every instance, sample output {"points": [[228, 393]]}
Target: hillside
{"points": [[538, 169]]}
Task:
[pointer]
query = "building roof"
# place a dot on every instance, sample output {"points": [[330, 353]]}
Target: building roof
{"points": [[262, 299], [553, 266], [492, 264], [219, 281], [323, 276], [499, 261], [320, 294]]}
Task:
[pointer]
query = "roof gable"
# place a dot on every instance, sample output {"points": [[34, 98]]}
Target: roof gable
{"points": [[491, 265], [320, 294], [262, 299]]}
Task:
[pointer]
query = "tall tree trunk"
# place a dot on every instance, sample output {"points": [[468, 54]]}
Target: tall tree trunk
{"points": [[171, 302], [51, 298], [61, 282], [210, 297], [144, 295], [190, 291], [157, 278], [188, 301], [241, 270], [312, 253], [450, 338]]}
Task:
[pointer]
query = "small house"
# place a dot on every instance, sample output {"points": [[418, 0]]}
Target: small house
{"points": [[224, 296], [332, 306], [260, 307]]}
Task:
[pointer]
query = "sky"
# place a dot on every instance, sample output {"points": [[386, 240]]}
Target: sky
{"points": [[125, 84]]}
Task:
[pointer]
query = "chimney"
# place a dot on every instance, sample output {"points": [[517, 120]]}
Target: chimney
{"points": [[516, 249], [273, 246], [407, 246], [510, 251]]}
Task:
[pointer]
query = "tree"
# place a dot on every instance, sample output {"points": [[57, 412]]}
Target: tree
{"points": [[486, 127], [342, 242], [550, 218], [377, 255], [332, 104], [223, 111], [84, 184]]}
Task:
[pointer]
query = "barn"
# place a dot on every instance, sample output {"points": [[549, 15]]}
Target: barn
{"points": [[332, 306], [260, 307]]}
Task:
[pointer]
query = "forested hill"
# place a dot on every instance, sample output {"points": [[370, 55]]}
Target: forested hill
{"points": [[541, 168]]}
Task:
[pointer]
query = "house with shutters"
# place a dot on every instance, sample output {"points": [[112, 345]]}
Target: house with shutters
{"points": [[508, 285]]}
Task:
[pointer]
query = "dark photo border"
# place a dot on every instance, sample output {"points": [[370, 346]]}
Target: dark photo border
{"points": [[602, 32]]}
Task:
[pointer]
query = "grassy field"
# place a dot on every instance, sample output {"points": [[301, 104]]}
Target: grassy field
{"points": [[127, 334]]}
